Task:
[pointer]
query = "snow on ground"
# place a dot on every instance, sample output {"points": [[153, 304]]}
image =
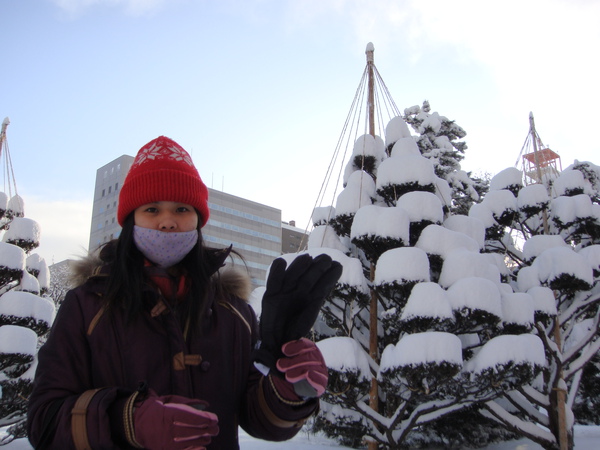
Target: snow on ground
{"points": [[586, 438]]}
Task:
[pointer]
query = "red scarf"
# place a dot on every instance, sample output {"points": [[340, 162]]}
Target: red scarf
{"points": [[173, 288]]}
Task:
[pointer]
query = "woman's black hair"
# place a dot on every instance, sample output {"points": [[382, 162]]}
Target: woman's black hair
{"points": [[126, 281]]}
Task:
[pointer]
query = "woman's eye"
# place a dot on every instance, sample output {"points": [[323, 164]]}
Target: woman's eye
{"points": [[182, 209]]}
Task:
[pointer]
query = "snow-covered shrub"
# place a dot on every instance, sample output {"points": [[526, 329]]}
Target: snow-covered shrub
{"points": [[376, 229], [518, 313], [404, 172], [27, 310], [367, 153], [17, 350], [37, 267], [399, 270], [421, 361], [427, 308], [531, 201], [544, 304], [461, 263], [12, 263], [26, 313], [29, 283], [3, 204], [439, 140], [424, 209], [592, 255], [551, 250], [14, 208], [507, 362], [510, 179], [535, 245], [570, 183], [476, 302], [395, 130], [468, 226], [562, 269], [322, 215], [325, 236], [24, 233], [418, 299], [439, 242], [348, 366], [359, 191]]}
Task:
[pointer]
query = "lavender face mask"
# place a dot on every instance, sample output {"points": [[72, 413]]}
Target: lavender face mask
{"points": [[162, 248]]}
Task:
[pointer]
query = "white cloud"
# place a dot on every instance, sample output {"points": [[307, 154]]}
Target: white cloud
{"points": [[536, 43], [533, 55], [65, 227], [537, 54], [75, 8]]}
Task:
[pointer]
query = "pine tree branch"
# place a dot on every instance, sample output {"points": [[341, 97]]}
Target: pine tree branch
{"points": [[522, 404], [513, 423]]}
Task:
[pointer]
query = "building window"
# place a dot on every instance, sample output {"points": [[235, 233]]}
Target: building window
{"points": [[116, 187], [109, 189], [103, 192]]}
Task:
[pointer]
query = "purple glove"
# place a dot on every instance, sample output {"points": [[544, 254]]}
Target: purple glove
{"points": [[173, 422], [304, 367]]}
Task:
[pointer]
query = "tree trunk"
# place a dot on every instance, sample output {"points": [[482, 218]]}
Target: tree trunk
{"points": [[558, 400], [373, 325]]}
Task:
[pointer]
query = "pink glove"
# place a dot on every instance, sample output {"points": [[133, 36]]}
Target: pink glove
{"points": [[173, 422], [304, 367]]}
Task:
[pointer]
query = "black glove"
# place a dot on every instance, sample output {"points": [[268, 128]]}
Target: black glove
{"points": [[292, 301]]}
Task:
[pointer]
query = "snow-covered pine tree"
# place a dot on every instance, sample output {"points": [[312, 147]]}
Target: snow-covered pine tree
{"points": [[549, 234], [439, 140], [451, 333], [26, 312], [587, 403], [60, 274]]}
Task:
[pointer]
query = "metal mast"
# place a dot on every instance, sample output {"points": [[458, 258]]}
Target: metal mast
{"points": [[538, 166]]}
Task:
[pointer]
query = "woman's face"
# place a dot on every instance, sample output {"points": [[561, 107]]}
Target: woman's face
{"points": [[166, 216]]}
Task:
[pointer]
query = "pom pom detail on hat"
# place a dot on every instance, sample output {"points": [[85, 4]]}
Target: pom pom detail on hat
{"points": [[162, 171]]}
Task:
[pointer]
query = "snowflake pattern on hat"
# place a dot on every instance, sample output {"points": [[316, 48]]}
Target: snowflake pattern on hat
{"points": [[163, 170], [158, 151]]}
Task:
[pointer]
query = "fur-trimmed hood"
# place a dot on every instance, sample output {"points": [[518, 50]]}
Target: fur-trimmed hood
{"points": [[232, 280]]}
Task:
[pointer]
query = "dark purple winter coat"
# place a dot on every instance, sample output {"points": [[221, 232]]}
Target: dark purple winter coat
{"points": [[88, 349]]}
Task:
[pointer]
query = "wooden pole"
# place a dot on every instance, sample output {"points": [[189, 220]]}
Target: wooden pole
{"points": [[559, 393], [373, 319], [5, 123], [371, 87]]}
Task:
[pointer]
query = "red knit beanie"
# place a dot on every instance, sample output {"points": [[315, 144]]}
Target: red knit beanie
{"points": [[162, 171]]}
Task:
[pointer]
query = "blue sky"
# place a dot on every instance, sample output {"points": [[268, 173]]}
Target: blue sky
{"points": [[258, 90]]}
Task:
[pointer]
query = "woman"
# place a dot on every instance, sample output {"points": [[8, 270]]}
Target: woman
{"points": [[155, 348]]}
